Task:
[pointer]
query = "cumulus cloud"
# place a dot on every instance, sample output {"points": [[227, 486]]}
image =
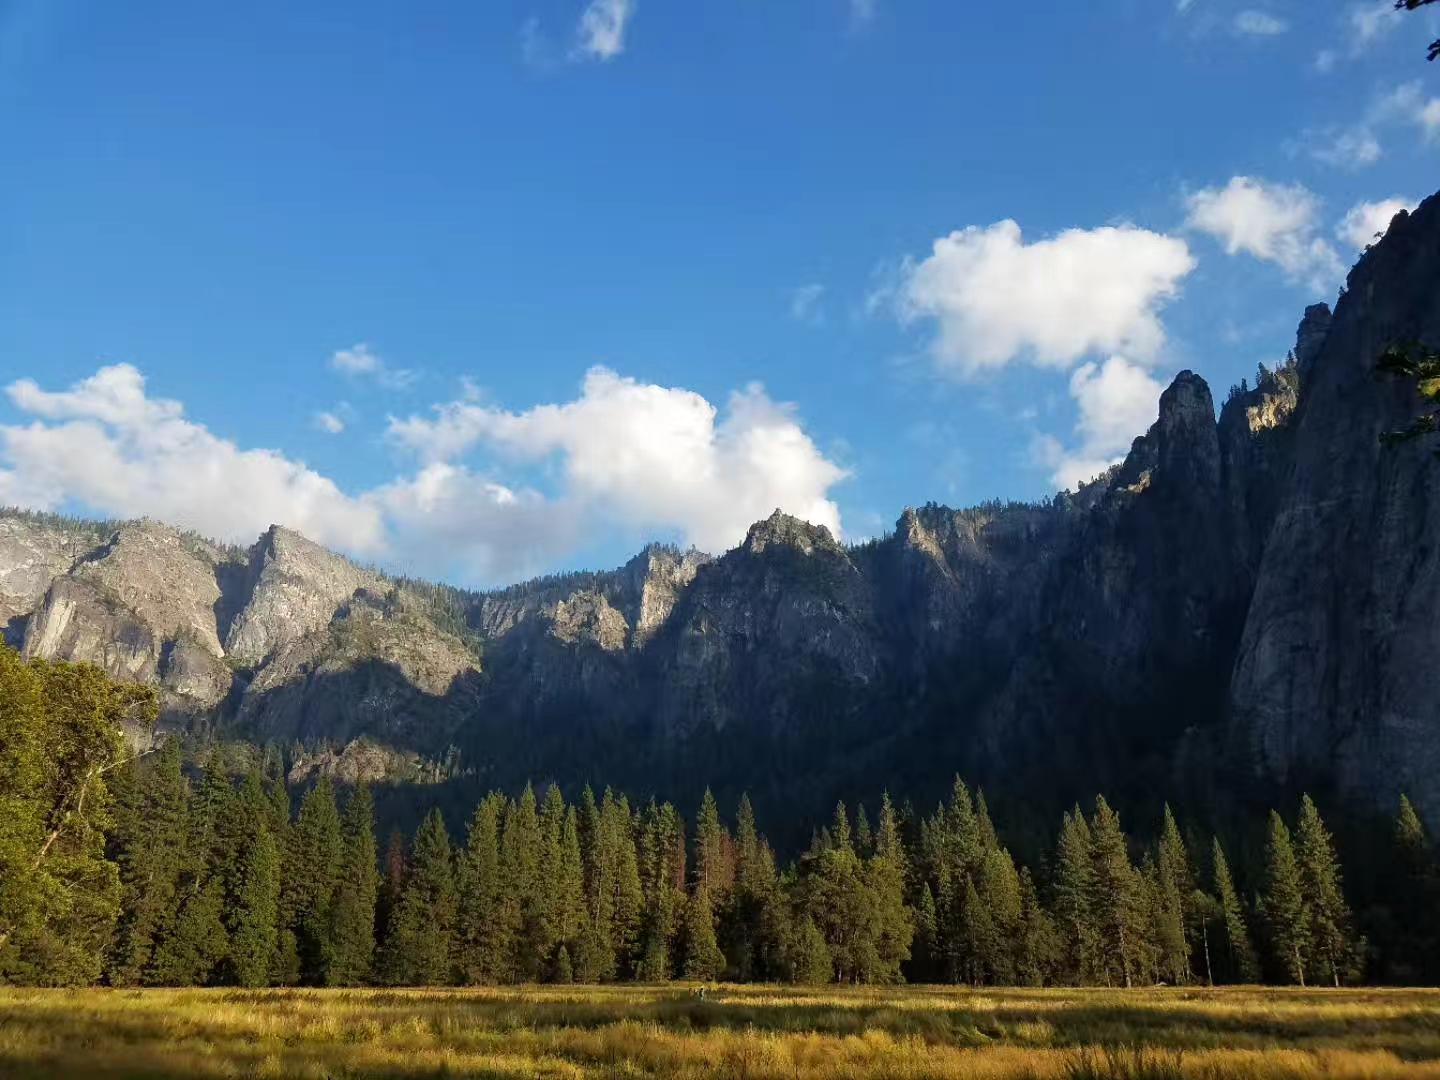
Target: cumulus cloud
{"points": [[630, 456], [359, 361], [994, 298], [115, 450], [600, 34], [1366, 222], [1273, 222], [651, 456], [1258, 24], [1115, 401]]}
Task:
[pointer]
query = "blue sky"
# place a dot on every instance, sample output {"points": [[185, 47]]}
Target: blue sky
{"points": [[483, 289]]}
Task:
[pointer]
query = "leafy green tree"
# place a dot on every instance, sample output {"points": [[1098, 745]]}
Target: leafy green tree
{"points": [[352, 912], [421, 948], [60, 736], [1286, 911], [1332, 946], [1243, 966]]}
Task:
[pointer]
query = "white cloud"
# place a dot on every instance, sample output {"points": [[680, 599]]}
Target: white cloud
{"points": [[1116, 401], [1273, 222], [805, 304], [329, 422], [1372, 21], [1367, 221], [115, 450], [631, 456], [995, 298], [1258, 24], [1359, 144], [359, 361], [652, 456], [600, 34]]}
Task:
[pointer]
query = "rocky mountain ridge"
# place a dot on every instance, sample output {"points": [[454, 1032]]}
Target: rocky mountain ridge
{"points": [[1246, 599]]}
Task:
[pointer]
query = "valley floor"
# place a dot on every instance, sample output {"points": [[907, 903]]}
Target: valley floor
{"points": [[750, 1032]]}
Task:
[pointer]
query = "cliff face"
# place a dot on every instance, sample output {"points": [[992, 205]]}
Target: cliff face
{"points": [[1335, 675], [1258, 590]]}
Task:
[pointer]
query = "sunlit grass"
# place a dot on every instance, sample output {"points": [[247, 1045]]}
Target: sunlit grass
{"points": [[752, 1032]]}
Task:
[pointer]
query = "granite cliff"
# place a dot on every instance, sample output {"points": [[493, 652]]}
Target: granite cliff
{"points": [[1244, 601]]}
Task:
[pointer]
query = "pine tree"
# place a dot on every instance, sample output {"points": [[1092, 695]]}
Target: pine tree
{"points": [[1285, 908], [1038, 946], [1332, 947], [195, 943], [567, 908], [285, 964], [1117, 897], [885, 877], [808, 958], [864, 839], [998, 888], [420, 950], [1074, 889], [703, 959], [352, 915], [1243, 966], [150, 841], [713, 868], [253, 893], [1170, 903], [312, 872], [483, 936], [977, 932], [522, 904], [661, 847], [1418, 889], [925, 954]]}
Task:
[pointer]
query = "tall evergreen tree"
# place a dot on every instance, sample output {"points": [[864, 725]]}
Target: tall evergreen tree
{"points": [[1333, 950], [1286, 911], [312, 872], [195, 943], [1243, 966], [352, 913], [1171, 905], [1117, 897], [151, 842], [421, 947], [1074, 891], [703, 959], [253, 891], [483, 935]]}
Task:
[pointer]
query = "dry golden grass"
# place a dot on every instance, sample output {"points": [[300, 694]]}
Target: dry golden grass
{"points": [[750, 1032]]}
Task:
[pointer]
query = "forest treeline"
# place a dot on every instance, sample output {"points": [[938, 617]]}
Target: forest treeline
{"points": [[127, 869]]}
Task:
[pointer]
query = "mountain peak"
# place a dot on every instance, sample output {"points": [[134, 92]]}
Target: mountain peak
{"points": [[784, 530]]}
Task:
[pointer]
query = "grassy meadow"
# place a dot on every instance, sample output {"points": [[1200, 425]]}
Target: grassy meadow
{"points": [[746, 1032]]}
